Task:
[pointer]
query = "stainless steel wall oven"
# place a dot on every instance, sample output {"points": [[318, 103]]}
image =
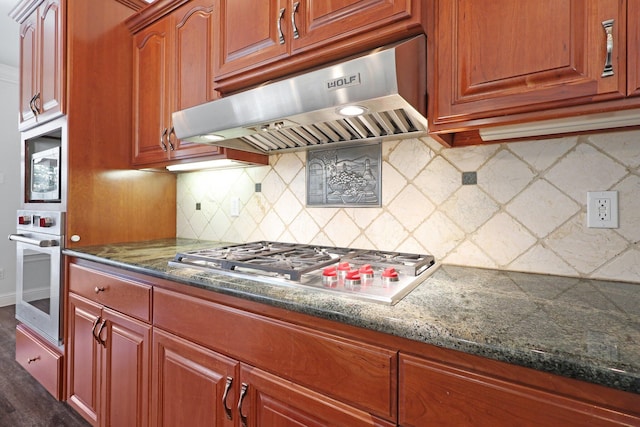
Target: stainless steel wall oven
{"points": [[39, 242]]}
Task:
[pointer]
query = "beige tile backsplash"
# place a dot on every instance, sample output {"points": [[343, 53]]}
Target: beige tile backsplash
{"points": [[526, 213]]}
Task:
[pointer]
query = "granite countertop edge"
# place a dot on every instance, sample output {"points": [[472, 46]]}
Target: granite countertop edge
{"points": [[380, 318]]}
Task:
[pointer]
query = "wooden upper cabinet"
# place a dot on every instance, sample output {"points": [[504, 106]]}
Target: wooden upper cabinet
{"points": [[633, 43], [252, 34], [192, 27], [248, 34], [319, 22], [172, 69], [150, 94], [506, 57], [42, 64]]}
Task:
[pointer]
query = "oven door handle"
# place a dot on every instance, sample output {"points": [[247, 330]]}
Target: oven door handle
{"points": [[44, 243]]}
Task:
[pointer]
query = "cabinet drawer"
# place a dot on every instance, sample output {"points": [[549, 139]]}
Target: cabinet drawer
{"points": [[362, 375], [40, 359], [436, 394], [126, 296]]}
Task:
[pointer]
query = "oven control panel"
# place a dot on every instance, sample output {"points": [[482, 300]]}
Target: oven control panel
{"points": [[50, 222]]}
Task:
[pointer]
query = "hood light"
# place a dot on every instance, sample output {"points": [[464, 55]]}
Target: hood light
{"points": [[351, 110], [212, 137], [209, 164]]}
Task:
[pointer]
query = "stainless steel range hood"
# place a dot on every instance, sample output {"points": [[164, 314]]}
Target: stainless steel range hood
{"points": [[302, 112]]}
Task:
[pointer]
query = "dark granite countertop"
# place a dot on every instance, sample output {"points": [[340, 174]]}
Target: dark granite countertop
{"points": [[578, 328]]}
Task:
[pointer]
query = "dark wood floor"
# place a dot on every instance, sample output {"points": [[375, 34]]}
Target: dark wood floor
{"points": [[23, 401]]}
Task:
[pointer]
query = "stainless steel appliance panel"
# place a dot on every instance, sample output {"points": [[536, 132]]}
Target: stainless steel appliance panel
{"points": [[39, 272]]}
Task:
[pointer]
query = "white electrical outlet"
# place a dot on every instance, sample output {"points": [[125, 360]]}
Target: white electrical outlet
{"points": [[602, 209]]}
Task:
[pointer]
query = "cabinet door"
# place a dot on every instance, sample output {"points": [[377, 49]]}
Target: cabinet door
{"points": [[151, 59], [502, 57], [267, 400], [28, 68], [435, 394], [248, 34], [41, 64], [322, 22], [192, 79], [125, 370], [83, 358], [51, 53], [190, 384], [633, 50]]}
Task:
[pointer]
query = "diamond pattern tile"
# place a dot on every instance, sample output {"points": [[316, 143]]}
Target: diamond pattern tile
{"points": [[496, 240], [542, 208], [504, 176], [527, 212], [585, 169]]}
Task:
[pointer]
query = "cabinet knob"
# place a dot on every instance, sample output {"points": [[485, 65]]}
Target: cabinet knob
{"points": [[75, 238], [32, 359], [99, 289]]}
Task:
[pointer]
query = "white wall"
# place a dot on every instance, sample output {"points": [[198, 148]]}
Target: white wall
{"points": [[9, 179]]}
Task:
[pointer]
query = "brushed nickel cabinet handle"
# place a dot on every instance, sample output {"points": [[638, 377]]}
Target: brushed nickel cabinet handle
{"points": [[279, 24], [93, 328], [162, 137], [608, 65], [32, 105], [296, 34], [98, 289], [171, 132], [97, 333], [243, 393], [227, 387], [32, 359]]}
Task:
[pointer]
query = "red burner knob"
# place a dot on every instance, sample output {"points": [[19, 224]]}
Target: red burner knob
{"points": [[344, 266], [330, 271], [389, 275], [352, 279], [366, 270], [330, 277], [353, 275]]}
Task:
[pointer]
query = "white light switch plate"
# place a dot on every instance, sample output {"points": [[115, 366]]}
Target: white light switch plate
{"points": [[235, 206]]}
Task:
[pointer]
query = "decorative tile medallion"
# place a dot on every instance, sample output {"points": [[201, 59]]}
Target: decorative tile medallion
{"points": [[345, 176]]}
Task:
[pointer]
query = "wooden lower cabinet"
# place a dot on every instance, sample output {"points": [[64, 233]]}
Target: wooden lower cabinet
{"points": [[189, 384], [195, 386], [269, 400], [42, 360], [182, 356], [109, 365], [361, 375], [433, 393]]}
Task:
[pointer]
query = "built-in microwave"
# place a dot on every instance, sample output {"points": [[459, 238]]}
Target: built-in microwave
{"points": [[44, 179], [43, 165]]}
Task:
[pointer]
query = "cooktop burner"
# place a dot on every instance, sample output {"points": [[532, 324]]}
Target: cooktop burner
{"points": [[367, 274]]}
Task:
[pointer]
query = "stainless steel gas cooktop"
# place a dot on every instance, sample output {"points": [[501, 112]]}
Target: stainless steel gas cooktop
{"points": [[371, 275]]}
